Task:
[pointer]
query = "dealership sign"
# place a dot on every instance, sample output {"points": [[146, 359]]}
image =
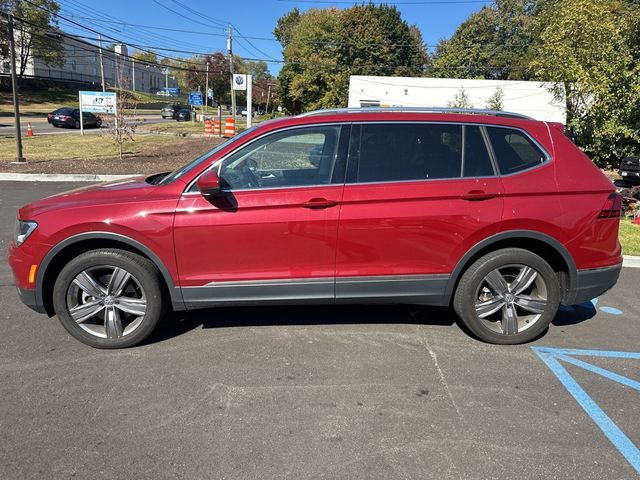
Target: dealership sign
{"points": [[239, 81], [98, 102]]}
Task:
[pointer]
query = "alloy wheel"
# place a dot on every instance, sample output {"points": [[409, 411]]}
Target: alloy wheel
{"points": [[106, 301], [511, 299]]}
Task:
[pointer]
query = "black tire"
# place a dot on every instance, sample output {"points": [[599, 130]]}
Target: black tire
{"points": [[469, 292], [76, 125], [98, 123], [145, 275]]}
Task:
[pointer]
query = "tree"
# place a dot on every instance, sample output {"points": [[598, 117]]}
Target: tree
{"points": [[146, 57], [496, 100], [322, 48], [461, 100], [491, 43], [34, 32], [587, 51]]}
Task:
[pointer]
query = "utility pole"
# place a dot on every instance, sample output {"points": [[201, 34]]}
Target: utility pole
{"points": [[101, 61], [133, 72], [206, 89], [266, 109], [230, 52], [14, 86], [166, 77]]}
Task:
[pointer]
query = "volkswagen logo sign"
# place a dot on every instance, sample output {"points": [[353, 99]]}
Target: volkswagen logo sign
{"points": [[239, 79]]}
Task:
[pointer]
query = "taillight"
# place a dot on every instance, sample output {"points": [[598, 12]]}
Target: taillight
{"points": [[612, 207]]}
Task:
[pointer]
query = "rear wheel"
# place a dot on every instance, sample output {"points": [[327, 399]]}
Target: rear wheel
{"points": [[76, 124], [508, 296], [108, 298]]}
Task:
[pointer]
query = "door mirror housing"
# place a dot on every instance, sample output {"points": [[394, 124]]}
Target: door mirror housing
{"points": [[209, 183]]}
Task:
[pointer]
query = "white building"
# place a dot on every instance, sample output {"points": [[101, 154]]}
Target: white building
{"points": [[82, 64], [528, 98]]}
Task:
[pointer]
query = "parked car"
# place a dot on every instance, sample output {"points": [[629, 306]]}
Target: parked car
{"points": [[169, 111], [183, 115], [70, 117], [630, 170], [498, 216]]}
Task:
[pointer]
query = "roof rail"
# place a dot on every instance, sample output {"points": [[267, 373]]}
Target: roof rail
{"points": [[471, 111]]}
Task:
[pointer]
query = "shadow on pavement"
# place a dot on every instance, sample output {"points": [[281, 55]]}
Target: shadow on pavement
{"points": [[178, 323], [574, 314]]}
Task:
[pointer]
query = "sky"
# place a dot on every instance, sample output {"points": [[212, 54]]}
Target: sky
{"points": [[199, 26]]}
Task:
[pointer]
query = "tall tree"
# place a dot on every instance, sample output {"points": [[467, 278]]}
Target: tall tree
{"points": [[491, 43], [34, 32], [587, 50], [323, 47]]}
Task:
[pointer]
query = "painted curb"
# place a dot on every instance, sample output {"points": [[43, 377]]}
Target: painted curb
{"points": [[631, 261], [54, 177]]}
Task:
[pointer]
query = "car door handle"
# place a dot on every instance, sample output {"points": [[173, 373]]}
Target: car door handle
{"points": [[476, 195], [319, 203]]}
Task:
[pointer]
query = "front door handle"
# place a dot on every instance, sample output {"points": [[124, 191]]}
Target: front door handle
{"points": [[477, 195], [318, 203]]}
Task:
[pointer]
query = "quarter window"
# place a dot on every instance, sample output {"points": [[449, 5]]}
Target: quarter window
{"points": [[291, 158], [514, 150], [395, 152]]}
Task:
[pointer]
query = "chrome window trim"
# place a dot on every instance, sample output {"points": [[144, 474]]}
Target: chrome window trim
{"points": [[218, 163], [548, 158]]}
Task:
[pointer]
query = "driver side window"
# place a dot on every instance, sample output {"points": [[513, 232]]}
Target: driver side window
{"points": [[303, 156]]}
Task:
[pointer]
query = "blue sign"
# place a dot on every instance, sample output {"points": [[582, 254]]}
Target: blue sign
{"points": [[195, 99]]}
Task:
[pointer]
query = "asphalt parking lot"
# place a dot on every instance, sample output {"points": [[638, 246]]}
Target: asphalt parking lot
{"points": [[319, 393]]}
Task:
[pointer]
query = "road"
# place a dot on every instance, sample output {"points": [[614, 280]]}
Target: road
{"points": [[357, 392], [40, 125]]}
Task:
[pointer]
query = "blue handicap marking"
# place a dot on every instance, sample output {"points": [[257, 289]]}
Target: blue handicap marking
{"points": [[552, 357], [594, 303], [605, 309]]}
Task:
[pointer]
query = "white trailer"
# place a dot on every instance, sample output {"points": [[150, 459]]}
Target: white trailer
{"points": [[528, 98]]}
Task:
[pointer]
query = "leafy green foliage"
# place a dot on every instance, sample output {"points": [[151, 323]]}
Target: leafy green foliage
{"points": [[324, 47], [490, 44], [496, 100], [587, 50], [461, 100]]}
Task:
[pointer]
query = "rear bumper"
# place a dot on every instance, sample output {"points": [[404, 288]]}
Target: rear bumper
{"points": [[592, 283]]}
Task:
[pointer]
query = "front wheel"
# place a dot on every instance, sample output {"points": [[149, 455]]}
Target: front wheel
{"points": [[109, 298], [508, 296]]}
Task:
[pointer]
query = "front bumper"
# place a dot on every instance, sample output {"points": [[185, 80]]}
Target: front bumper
{"points": [[592, 283], [28, 297]]}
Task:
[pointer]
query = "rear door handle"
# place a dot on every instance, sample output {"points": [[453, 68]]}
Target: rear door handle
{"points": [[477, 195], [318, 203]]}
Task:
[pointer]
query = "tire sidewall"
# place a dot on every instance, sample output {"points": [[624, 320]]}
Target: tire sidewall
{"points": [[464, 301], [143, 271]]}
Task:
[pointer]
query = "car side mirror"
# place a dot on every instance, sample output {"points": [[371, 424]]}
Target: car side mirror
{"points": [[209, 183]]}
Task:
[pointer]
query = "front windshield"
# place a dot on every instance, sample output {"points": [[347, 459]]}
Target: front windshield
{"points": [[188, 167]]}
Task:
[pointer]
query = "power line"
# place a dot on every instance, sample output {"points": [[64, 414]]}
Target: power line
{"points": [[419, 2]]}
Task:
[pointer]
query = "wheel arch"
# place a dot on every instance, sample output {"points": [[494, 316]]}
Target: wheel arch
{"points": [[548, 248], [59, 255]]}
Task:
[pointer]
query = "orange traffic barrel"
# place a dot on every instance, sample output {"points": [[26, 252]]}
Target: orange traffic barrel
{"points": [[208, 128], [216, 127], [229, 127]]}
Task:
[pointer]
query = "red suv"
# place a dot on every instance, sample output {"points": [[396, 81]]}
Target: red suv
{"points": [[497, 215]]}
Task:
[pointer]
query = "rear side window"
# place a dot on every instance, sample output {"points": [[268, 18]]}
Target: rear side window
{"points": [[477, 162], [395, 152], [514, 150]]}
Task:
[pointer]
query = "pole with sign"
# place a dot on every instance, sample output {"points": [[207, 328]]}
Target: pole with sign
{"points": [[96, 102], [239, 83]]}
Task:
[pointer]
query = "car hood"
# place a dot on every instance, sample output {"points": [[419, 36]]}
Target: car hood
{"points": [[126, 190]]}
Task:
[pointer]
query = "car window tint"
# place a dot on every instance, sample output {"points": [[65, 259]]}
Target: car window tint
{"points": [[291, 158], [514, 150], [395, 152], [477, 162]]}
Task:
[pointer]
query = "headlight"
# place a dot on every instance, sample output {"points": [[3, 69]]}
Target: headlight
{"points": [[24, 228]]}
